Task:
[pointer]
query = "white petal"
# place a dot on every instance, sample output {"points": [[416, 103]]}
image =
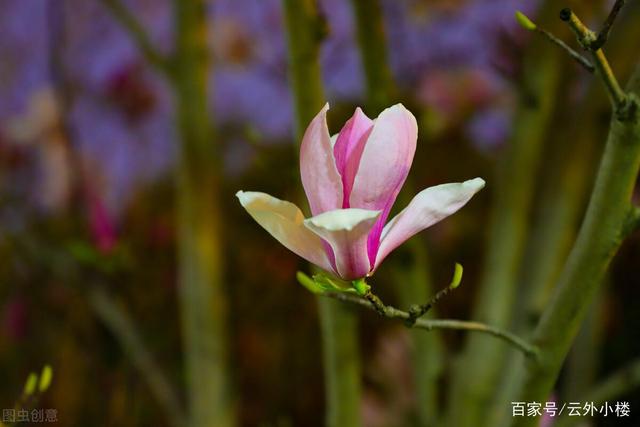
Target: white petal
{"points": [[427, 208], [284, 221], [346, 230]]}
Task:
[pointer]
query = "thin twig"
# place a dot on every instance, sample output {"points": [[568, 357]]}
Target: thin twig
{"points": [[137, 32], [430, 324], [123, 329], [584, 62], [417, 311], [603, 35], [587, 38]]}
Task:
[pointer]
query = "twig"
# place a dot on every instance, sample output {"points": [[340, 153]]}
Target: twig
{"points": [[603, 35], [372, 302], [584, 62], [417, 311], [587, 39], [529, 25], [121, 326], [138, 34]]}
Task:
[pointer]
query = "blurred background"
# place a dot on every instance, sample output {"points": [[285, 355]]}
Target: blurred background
{"points": [[88, 150]]}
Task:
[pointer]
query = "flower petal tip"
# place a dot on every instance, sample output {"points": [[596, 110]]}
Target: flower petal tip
{"points": [[475, 184]]}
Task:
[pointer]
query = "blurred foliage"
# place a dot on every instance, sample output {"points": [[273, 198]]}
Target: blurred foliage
{"points": [[87, 146]]}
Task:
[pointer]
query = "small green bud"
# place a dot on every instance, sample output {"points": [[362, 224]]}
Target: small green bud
{"points": [[30, 385], [360, 286], [457, 276], [524, 21], [45, 378]]}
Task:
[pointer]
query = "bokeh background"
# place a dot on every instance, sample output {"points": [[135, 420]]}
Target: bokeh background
{"points": [[88, 147]]}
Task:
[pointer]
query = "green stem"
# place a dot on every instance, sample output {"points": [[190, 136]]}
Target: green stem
{"points": [[481, 364], [412, 277], [342, 364], [599, 238], [124, 330], [558, 216], [588, 39], [202, 298], [339, 326], [373, 52]]}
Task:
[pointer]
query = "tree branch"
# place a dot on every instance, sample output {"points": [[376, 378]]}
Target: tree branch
{"points": [[137, 33], [588, 40], [123, 329], [527, 24], [372, 302], [603, 35]]}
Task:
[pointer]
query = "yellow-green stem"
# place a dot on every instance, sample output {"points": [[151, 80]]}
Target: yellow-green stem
{"points": [[339, 325], [481, 364], [202, 297]]}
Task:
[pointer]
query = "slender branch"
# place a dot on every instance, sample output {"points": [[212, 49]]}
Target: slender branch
{"points": [[123, 329], [584, 62], [417, 311], [587, 39], [137, 33], [603, 35], [372, 302]]}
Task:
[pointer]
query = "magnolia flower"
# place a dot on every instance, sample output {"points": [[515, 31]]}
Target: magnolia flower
{"points": [[351, 181]]}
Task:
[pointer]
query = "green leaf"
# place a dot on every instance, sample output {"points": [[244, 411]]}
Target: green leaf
{"points": [[525, 22], [45, 378], [30, 385]]}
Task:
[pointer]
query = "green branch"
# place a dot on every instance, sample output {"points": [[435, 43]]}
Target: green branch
{"points": [[373, 52], [599, 238], [339, 327], [481, 365], [202, 296], [588, 40], [372, 302], [603, 35], [124, 330]]}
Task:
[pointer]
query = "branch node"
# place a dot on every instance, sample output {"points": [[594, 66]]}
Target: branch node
{"points": [[587, 39]]}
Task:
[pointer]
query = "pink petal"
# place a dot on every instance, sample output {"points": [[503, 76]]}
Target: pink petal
{"points": [[285, 222], [320, 178], [348, 150], [384, 166], [346, 230], [427, 207]]}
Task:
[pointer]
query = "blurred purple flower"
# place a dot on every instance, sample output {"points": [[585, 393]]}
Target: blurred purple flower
{"points": [[489, 128]]}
